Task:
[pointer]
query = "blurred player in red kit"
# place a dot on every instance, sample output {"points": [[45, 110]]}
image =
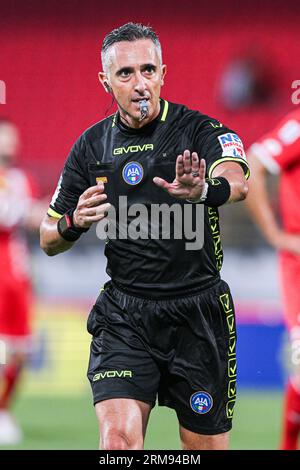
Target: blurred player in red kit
{"points": [[278, 152], [18, 209]]}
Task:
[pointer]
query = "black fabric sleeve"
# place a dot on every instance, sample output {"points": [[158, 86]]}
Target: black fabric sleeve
{"points": [[72, 182], [218, 144]]}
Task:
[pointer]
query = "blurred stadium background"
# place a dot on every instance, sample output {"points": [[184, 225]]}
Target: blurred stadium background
{"points": [[234, 61]]}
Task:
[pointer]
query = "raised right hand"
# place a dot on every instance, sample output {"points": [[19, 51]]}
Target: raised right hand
{"points": [[91, 207]]}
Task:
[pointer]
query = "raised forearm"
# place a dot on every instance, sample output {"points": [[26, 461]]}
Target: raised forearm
{"points": [[50, 240], [91, 208], [236, 178]]}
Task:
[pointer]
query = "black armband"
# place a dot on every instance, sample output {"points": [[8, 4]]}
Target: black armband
{"points": [[218, 191], [67, 229]]}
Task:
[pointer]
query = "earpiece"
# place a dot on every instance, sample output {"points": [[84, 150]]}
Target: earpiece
{"points": [[108, 89]]}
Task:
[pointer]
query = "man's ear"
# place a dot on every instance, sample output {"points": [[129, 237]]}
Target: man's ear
{"points": [[104, 81], [163, 74]]}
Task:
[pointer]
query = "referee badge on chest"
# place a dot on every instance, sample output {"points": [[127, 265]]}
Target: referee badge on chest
{"points": [[133, 173]]}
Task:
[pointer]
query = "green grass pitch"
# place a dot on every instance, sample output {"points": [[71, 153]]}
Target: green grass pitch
{"points": [[69, 423]]}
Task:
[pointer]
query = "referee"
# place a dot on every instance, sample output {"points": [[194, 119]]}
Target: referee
{"points": [[163, 327]]}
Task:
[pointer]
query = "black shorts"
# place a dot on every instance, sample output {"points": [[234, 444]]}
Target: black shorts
{"points": [[181, 350]]}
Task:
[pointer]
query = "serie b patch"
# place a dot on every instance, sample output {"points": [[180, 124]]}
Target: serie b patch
{"points": [[232, 145]]}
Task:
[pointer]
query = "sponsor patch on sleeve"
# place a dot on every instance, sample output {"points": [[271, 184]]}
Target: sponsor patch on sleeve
{"points": [[232, 146]]}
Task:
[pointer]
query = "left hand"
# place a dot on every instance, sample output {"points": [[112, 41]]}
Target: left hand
{"points": [[190, 177]]}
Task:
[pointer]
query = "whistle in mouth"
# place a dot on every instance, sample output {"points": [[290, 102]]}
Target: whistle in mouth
{"points": [[144, 109]]}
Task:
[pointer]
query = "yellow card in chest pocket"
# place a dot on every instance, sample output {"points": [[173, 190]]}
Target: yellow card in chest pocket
{"points": [[101, 179]]}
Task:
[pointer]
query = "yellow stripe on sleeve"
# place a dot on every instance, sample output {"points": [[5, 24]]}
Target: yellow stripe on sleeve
{"points": [[54, 214], [230, 159]]}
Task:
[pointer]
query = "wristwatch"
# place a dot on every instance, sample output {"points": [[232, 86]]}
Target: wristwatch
{"points": [[67, 229]]}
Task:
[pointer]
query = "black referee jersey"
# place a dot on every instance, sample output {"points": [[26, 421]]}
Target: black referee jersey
{"points": [[126, 160]]}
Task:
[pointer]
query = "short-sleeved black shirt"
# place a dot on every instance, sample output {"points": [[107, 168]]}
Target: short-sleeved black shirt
{"points": [[126, 160]]}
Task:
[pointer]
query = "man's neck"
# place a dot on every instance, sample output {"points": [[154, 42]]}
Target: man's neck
{"points": [[129, 121]]}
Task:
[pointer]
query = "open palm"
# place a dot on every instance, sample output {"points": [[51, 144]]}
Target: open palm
{"points": [[190, 177]]}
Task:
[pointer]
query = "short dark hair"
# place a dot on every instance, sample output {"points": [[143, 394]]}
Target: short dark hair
{"points": [[129, 32]]}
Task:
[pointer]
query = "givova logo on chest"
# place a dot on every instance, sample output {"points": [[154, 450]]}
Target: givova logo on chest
{"points": [[133, 149]]}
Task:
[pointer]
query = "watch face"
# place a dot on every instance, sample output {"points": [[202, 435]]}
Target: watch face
{"points": [[63, 224]]}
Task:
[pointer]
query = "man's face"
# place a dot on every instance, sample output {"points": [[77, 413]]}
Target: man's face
{"points": [[9, 144], [134, 74]]}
